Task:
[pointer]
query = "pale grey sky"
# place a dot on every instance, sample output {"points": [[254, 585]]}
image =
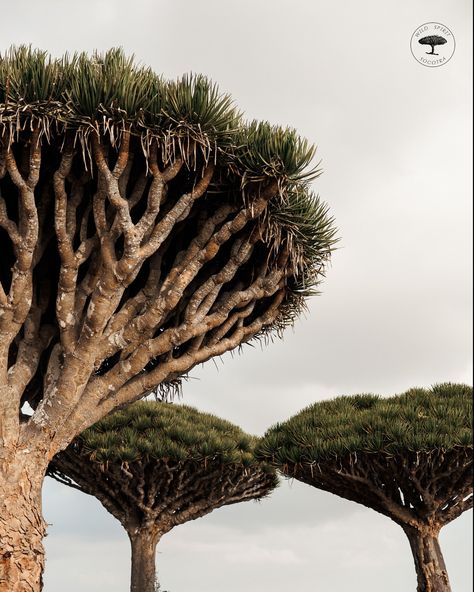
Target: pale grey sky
{"points": [[395, 311]]}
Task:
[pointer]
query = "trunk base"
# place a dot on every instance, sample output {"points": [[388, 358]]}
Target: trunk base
{"points": [[22, 529]]}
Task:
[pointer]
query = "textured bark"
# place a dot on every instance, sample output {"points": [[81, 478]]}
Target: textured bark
{"points": [[143, 543], [429, 563], [145, 275], [21, 526]]}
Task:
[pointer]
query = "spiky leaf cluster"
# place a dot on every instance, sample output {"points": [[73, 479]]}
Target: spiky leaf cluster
{"points": [[108, 91], [151, 430], [264, 150], [419, 420], [189, 118]]}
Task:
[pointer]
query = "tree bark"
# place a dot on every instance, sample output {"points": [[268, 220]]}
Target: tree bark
{"points": [[429, 562], [143, 542], [22, 527]]}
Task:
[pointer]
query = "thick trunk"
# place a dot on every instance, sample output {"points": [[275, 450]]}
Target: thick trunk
{"points": [[22, 526], [429, 563], [143, 577]]}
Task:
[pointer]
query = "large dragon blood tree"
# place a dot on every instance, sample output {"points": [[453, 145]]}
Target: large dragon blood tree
{"points": [[157, 465], [144, 228], [408, 457]]}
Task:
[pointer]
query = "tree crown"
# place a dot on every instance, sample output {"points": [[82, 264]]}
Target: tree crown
{"points": [[179, 232], [110, 92], [190, 119], [165, 431], [417, 420]]}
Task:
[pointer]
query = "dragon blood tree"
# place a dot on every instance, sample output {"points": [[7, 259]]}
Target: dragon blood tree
{"points": [[408, 457], [144, 228], [156, 465]]}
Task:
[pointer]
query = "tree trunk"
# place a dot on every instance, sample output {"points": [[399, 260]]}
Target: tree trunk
{"points": [[429, 563], [22, 526], [143, 577]]}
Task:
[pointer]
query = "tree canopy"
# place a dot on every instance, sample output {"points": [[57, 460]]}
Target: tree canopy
{"points": [[163, 464], [103, 124], [151, 431], [432, 40]]}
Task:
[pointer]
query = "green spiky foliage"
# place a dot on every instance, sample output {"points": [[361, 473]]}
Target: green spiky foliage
{"points": [[68, 104], [156, 431], [408, 457], [157, 465]]}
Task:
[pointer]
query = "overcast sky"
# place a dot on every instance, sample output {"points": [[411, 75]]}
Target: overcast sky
{"points": [[395, 309]]}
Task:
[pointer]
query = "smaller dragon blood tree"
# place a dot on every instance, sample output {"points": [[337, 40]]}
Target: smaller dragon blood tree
{"points": [[155, 465], [408, 457], [432, 40]]}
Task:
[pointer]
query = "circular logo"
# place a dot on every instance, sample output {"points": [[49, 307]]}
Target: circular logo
{"points": [[432, 45]]}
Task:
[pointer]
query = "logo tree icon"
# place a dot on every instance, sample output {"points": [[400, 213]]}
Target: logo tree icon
{"points": [[432, 40]]}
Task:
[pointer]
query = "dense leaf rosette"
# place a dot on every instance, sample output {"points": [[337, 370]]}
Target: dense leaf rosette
{"points": [[165, 431], [420, 420]]}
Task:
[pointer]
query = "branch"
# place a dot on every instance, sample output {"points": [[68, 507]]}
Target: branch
{"points": [[455, 509], [15, 306], [162, 230], [174, 337], [65, 302], [201, 250], [354, 481], [9, 225], [36, 339], [98, 390]]}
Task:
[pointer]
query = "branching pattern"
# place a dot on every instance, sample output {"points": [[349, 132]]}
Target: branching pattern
{"points": [[144, 228], [424, 490], [162, 494], [408, 457], [155, 274]]}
